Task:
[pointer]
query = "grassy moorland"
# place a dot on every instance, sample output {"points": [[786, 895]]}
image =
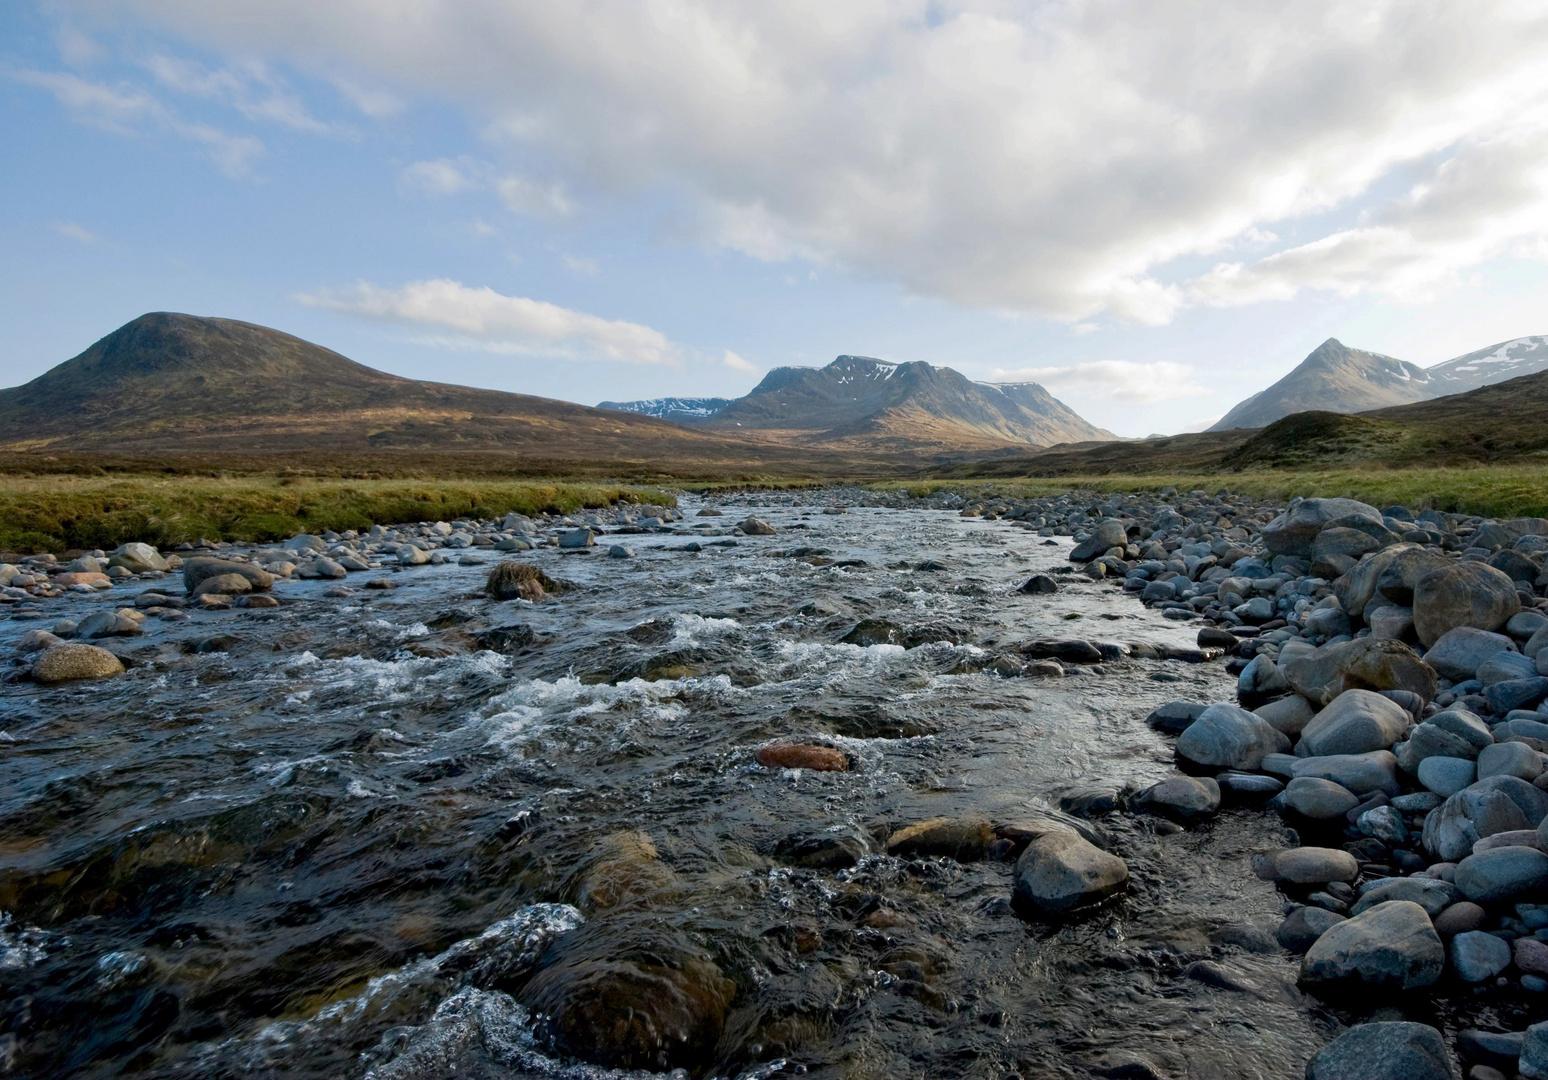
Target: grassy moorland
{"points": [[52, 512], [1514, 490]]}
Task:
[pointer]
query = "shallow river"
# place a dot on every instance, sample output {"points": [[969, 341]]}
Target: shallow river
{"points": [[278, 858]]}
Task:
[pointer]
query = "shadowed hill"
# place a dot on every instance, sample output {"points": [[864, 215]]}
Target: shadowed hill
{"points": [[1333, 378]]}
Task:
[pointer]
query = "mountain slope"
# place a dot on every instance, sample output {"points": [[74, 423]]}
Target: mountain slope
{"points": [[859, 399], [1333, 378], [679, 410], [1497, 363], [171, 380]]}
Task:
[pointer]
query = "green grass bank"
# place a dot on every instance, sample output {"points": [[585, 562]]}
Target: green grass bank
{"points": [[61, 512]]}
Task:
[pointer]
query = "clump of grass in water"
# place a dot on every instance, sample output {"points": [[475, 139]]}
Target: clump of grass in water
{"points": [[515, 580]]}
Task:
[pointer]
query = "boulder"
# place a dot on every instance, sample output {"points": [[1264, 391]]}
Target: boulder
{"points": [[1288, 715], [1530, 800], [1451, 830], [627, 996], [1432, 894], [1401, 576], [1510, 759], [1306, 865], [1227, 737], [1447, 775], [1357, 588], [1392, 623], [578, 538], [1385, 1050], [1533, 1063], [1061, 871], [756, 526], [1477, 957], [1360, 773], [963, 839], [196, 571], [1462, 594], [1295, 531], [1181, 798], [72, 660], [1338, 543], [1175, 716], [802, 756], [1536, 643], [1357, 721], [1505, 665], [1503, 697], [1502, 874], [1108, 534], [138, 558], [1320, 800], [1458, 652], [1039, 585], [1304, 926], [1361, 664], [1459, 918], [1391, 946]]}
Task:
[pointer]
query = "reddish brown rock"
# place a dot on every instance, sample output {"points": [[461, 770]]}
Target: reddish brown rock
{"points": [[84, 577], [802, 756]]}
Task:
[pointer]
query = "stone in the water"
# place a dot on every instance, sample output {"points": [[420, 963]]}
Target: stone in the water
{"points": [[868, 632], [1304, 926], [756, 526], [802, 756], [1061, 872], [1039, 585], [196, 570], [222, 584], [515, 580], [1477, 956], [1181, 798], [1306, 865], [72, 661], [630, 997], [577, 538], [1175, 716], [963, 839], [1227, 737], [820, 851], [620, 551], [1386, 1050], [1110, 533], [1503, 873], [1391, 946]]}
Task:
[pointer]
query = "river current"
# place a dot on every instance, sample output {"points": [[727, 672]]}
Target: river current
{"points": [[284, 842]]}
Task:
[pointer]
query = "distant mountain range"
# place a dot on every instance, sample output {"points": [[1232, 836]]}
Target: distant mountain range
{"points": [[176, 383], [1336, 378], [859, 399], [679, 410]]}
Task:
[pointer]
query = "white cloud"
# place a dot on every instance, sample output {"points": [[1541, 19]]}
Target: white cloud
{"points": [[250, 88], [1120, 380], [525, 196], [581, 267], [483, 318], [77, 232], [1062, 158], [738, 363], [372, 102], [444, 176], [126, 110]]}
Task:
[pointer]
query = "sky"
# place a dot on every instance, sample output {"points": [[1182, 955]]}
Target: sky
{"points": [[1154, 210]]}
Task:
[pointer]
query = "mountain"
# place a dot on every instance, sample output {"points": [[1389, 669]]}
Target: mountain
{"points": [[1497, 363], [182, 382], [859, 399], [679, 410], [1334, 378]]}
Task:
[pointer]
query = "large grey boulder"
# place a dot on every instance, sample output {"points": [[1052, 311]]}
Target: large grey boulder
{"points": [[1181, 798], [1320, 800], [1531, 800], [1505, 666], [1432, 894], [1451, 830], [1289, 714], [1391, 946], [1501, 874], [1295, 531], [1447, 775], [1061, 871], [1458, 652], [1356, 722], [1477, 957], [1386, 1050], [1227, 737], [1510, 759], [1357, 588], [1360, 773], [137, 558], [1361, 664], [1306, 865], [1533, 1063], [1401, 576], [195, 571], [1536, 643], [1462, 594], [1108, 534], [1428, 741], [1304, 926]]}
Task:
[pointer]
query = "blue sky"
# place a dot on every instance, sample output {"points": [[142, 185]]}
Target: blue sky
{"points": [[1154, 215]]}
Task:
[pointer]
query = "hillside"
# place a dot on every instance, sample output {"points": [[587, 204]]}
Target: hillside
{"points": [[187, 386], [859, 400], [1494, 364], [1333, 378]]}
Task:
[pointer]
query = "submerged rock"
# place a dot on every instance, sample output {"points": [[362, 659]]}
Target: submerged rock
{"points": [[1060, 872], [802, 756], [72, 661]]}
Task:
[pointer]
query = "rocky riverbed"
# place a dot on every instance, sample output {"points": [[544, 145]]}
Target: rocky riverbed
{"points": [[838, 784]]}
